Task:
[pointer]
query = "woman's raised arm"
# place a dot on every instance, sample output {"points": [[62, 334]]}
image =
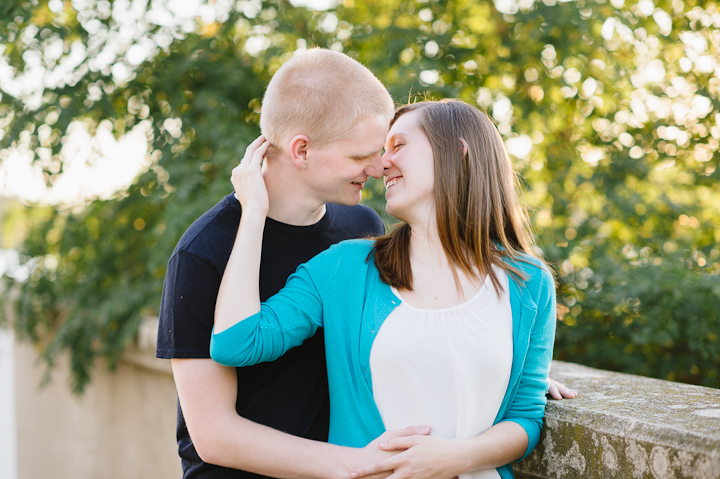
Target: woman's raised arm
{"points": [[239, 294], [245, 331]]}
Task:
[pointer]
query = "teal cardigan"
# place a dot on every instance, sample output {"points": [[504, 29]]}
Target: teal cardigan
{"points": [[340, 291]]}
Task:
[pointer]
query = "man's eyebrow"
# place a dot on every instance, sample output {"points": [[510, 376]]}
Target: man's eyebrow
{"points": [[368, 155]]}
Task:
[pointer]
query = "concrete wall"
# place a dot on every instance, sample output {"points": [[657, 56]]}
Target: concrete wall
{"points": [[8, 430], [123, 427]]}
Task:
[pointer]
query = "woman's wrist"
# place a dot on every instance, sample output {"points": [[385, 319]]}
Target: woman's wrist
{"points": [[464, 456], [254, 215]]}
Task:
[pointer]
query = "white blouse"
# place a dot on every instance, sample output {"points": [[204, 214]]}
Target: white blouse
{"points": [[446, 368]]}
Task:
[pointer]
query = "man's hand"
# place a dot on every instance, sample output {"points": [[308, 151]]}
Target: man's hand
{"points": [[372, 453], [420, 457], [559, 391]]}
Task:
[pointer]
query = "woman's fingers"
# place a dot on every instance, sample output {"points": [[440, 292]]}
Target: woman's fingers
{"points": [[553, 390], [251, 151], [253, 146], [253, 157], [566, 392], [260, 153], [406, 431], [397, 443], [389, 464], [558, 390], [247, 178]]}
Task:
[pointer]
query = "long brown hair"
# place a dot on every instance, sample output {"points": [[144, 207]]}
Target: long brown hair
{"points": [[479, 217]]}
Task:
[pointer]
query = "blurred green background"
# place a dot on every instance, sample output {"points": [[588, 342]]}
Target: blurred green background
{"points": [[609, 109]]}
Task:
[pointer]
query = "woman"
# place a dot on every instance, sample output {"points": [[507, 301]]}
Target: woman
{"points": [[448, 320]]}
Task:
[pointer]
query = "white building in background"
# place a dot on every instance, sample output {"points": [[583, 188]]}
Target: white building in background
{"points": [[8, 425]]}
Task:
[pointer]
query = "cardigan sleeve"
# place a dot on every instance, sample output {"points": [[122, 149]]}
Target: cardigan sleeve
{"points": [[284, 321], [528, 406]]}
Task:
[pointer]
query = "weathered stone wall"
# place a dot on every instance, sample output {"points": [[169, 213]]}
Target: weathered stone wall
{"points": [[622, 426]]}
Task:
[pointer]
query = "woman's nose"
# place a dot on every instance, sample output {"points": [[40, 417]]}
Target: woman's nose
{"points": [[386, 162]]}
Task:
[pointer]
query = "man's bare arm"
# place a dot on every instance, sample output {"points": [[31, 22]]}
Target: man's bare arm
{"points": [[208, 391]]}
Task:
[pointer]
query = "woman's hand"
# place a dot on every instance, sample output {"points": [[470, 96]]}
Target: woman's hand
{"points": [[247, 178], [558, 390], [373, 454], [424, 458]]}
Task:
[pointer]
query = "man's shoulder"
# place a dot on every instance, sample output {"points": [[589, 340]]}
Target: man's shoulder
{"points": [[346, 254], [360, 218], [216, 228]]}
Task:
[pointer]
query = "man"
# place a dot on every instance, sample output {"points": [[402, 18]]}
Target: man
{"points": [[326, 118]]}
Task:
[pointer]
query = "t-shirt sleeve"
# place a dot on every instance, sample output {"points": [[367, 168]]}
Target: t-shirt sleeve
{"points": [[377, 224], [187, 308]]}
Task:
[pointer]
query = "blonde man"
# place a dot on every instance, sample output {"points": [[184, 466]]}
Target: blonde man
{"points": [[326, 117]]}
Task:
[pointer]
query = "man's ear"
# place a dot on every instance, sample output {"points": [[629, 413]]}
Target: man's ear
{"points": [[298, 150]]}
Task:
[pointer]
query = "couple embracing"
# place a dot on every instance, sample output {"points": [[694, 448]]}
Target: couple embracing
{"points": [[301, 348]]}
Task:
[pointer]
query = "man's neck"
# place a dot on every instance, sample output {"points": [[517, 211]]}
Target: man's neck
{"points": [[289, 202]]}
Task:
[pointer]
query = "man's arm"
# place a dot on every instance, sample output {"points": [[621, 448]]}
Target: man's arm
{"points": [[207, 393]]}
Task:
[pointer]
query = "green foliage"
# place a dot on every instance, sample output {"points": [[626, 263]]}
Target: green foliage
{"points": [[649, 315], [615, 102]]}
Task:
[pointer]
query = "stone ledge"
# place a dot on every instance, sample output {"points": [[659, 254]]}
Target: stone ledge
{"points": [[624, 426]]}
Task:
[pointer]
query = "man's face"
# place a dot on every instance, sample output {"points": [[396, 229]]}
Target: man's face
{"points": [[337, 172]]}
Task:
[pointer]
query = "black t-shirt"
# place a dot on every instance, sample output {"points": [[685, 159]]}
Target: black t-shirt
{"points": [[289, 394]]}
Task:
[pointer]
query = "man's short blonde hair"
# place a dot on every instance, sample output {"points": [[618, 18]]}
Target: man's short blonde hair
{"points": [[322, 94]]}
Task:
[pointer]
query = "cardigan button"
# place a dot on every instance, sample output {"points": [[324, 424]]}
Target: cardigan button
{"points": [[372, 332]]}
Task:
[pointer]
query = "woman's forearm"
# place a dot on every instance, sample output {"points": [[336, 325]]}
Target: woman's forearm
{"points": [[502, 444], [438, 458], [239, 294]]}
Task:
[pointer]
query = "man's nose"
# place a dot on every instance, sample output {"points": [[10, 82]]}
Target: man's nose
{"points": [[375, 167]]}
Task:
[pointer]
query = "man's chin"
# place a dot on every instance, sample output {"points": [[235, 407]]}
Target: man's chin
{"points": [[348, 200]]}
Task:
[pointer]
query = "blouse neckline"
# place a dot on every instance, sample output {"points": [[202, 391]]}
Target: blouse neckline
{"points": [[462, 305]]}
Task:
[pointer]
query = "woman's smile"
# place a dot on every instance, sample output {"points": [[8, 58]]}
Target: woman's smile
{"points": [[392, 181]]}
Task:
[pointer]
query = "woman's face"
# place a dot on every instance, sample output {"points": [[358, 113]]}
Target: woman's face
{"points": [[409, 170]]}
